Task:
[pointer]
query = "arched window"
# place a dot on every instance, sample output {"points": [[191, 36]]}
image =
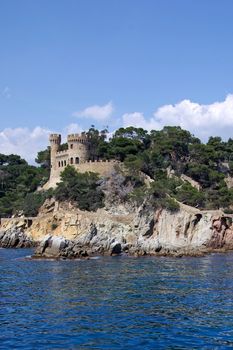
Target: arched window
{"points": [[71, 145], [62, 163], [71, 161], [77, 160], [65, 162], [59, 164]]}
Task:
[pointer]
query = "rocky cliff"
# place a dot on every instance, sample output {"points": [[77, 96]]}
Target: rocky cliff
{"points": [[64, 231]]}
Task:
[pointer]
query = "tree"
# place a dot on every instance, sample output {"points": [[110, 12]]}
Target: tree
{"points": [[80, 189], [170, 146], [17, 179], [43, 158], [97, 139], [133, 133], [32, 202]]}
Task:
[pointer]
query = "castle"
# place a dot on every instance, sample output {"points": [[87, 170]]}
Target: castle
{"points": [[79, 153]]}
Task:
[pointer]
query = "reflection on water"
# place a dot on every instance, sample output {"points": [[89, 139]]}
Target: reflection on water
{"points": [[116, 303]]}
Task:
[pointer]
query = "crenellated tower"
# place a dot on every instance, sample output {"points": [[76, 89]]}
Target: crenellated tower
{"points": [[55, 141], [78, 148], [79, 153]]}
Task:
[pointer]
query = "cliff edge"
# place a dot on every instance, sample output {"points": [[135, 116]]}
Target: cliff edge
{"points": [[60, 230]]}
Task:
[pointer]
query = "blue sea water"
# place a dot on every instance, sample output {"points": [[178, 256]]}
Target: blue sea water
{"points": [[116, 303]]}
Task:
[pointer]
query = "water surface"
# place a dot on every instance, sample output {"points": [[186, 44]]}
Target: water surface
{"points": [[116, 303]]}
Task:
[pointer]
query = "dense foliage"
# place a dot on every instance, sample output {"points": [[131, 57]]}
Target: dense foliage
{"points": [[80, 189], [172, 148], [17, 181]]}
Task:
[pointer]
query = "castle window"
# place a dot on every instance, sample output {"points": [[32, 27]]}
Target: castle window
{"points": [[59, 164], [71, 161], [77, 160], [71, 146], [62, 163], [65, 162]]}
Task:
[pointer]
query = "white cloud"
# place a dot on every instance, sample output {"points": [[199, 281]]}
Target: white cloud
{"points": [[28, 142], [72, 128], [96, 112], [215, 119], [6, 92], [24, 141], [138, 120]]}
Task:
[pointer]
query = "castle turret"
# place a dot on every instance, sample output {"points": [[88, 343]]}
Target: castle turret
{"points": [[55, 141], [79, 148]]}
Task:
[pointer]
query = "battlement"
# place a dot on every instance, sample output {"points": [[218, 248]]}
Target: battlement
{"points": [[55, 138], [82, 138], [62, 153], [101, 161]]}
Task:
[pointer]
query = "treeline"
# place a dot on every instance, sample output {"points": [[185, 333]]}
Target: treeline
{"points": [[18, 182], [173, 151], [162, 155]]}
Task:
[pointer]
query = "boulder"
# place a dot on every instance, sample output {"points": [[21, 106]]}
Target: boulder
{"points": [[15, 238], [116, 248], [59, 247]]}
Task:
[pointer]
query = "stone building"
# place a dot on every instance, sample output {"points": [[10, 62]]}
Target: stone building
{"points": [[78, 151], [78, 154]]}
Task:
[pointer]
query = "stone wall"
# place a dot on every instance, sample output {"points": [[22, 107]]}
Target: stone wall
{"points": [[103, 168]]}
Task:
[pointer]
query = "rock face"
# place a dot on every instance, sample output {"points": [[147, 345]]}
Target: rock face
{"points": [[73, 233], [15, 238], [64, 231], [59, 247]]}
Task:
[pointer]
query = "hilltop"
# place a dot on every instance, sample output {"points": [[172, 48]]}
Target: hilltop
{"points": [[166, 193], [178, 165]]}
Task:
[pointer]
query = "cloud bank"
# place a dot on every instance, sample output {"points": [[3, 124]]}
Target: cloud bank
{"points": [[72, 128], [28, 142], [24, 141], [215, 119], [96, 112]]}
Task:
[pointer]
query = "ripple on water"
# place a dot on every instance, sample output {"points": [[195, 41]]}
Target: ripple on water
{"points": [[116, 303]]}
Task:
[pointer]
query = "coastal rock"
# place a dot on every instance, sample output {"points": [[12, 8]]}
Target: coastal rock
{"points": [[15, 238], [59, 247], [188, 231], [116, 248], [67, 232]]}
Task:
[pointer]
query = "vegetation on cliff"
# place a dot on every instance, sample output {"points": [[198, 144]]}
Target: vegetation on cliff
{"points": [[18, 181], [163, 156], [167, 154], [81, 189]]}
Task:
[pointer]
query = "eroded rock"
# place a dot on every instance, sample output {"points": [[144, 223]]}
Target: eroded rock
{"points": [[15, 238], [141, 231]]}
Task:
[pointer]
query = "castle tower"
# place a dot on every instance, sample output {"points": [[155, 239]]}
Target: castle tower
{"points": [[55, 141], [78, 148]]}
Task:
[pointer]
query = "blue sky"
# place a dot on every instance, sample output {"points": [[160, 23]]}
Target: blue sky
{"points": [[67, 64]]}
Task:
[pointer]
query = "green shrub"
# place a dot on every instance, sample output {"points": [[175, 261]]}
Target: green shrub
{"points": [[138, 195], [81, 189], [228, 211], [171, 205], [54, 225], [190, 195], [32, 203]]}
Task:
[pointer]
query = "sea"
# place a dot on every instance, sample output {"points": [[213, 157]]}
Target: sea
{"points": [[116, 302]]}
